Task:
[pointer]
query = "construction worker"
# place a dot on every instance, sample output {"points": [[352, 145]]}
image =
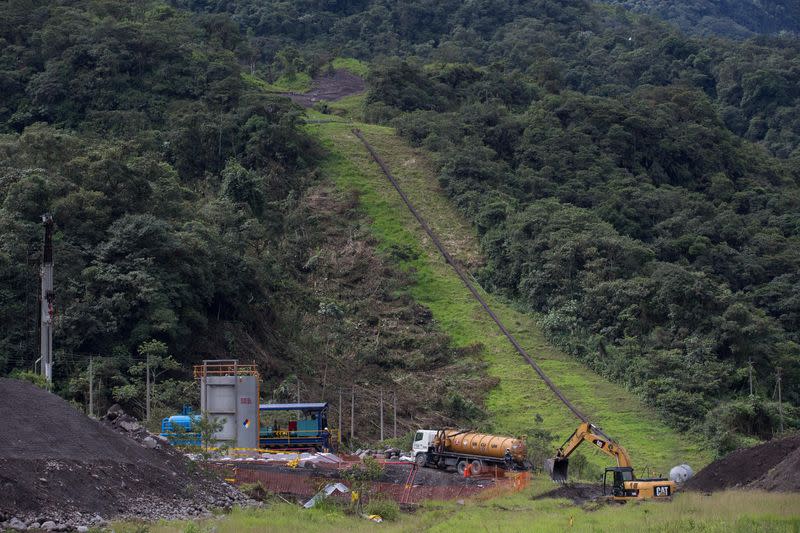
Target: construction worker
{"points": [[326, 439], [509, 459], [468, 470]]}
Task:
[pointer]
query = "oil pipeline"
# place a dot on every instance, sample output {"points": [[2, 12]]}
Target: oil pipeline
{"points": [[465, 279]]}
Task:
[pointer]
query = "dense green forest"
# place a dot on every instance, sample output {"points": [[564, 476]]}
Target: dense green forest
{"points": [[637, 187], [735, 19], [553, 45], [190, 222]]}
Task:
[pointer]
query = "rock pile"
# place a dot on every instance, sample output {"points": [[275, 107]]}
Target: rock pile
{"points": [[124, 423], [60, 470], [387, 453]]}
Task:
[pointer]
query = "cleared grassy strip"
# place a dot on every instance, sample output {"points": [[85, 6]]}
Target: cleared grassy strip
{"points": [[356, 66], [725, 512], [520, 396], [349, 107]]}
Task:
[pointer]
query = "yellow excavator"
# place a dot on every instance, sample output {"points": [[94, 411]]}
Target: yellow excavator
{"points": [[624, 485]]}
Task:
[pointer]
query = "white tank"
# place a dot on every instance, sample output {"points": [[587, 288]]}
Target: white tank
{"points": [[680, 473]]}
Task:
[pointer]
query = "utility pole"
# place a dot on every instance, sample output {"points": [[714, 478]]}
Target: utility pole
{"points": [[298, 389], [352, 411], [147, 393], [780, 404], [47, 301], [381, 415], [339, 425], [394, 401], [750, 372], [325, 377], [91, 388]]}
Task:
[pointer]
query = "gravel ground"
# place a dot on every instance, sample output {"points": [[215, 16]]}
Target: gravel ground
{"points": [[60, 470]]}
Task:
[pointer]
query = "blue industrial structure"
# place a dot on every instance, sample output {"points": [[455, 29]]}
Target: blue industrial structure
{"points": [[179, 428], [294, 425], [282, 426]]}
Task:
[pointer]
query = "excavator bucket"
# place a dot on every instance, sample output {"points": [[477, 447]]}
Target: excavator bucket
{"points": [[557, 468]]}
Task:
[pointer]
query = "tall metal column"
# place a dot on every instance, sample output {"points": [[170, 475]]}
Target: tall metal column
{"points": [[47, 300]]}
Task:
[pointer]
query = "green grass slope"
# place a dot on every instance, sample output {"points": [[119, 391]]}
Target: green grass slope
{"points": [[520, 396]]}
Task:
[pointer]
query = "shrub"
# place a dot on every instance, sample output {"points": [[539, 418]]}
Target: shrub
{"points": [[256, 491], [30, 377], [384, 507]]}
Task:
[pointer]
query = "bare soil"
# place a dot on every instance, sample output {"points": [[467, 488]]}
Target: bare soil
{"points": [[430, 477], [774, 465], [396, 474], [55, 462], [783, 477], [330, 88]]}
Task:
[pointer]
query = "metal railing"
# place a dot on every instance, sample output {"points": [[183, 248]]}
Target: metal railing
{"points": [[225, 368], [300, 436]]}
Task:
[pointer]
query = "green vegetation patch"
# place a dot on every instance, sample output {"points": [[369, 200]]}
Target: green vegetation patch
{"points": [[349, 107], [521, 401], [359, 68], [296, 83]]}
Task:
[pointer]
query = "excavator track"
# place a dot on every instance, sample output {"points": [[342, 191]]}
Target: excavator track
{"points": [[468, 284]]}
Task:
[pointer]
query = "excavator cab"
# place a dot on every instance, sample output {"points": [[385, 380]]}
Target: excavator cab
{"points": [[620, 474], [625, 486]]}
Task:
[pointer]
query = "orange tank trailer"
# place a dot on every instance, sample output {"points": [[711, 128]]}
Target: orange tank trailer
{"points": [[484, 445]]}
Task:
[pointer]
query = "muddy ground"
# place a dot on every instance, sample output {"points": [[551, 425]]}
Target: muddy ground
{"points": [[57, 464], [330, 88]]}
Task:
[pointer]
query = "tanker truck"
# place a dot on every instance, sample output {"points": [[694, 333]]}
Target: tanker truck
{"points": [[443, 448]]}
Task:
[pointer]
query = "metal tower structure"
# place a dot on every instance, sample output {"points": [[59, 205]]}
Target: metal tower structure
{"points": [[47, 300]]}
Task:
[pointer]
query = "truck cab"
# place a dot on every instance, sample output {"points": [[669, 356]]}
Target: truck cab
{"points": [[423, 440]]}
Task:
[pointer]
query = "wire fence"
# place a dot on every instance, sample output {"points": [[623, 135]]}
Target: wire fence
{"points": [[305, 483]]}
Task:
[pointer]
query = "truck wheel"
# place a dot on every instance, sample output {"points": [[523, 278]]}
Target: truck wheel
{"points": [[477, 467], [461, 466], [421, 459]]}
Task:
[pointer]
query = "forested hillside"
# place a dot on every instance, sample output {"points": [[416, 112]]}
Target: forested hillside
{"points": [[190, 222], [637, 187], [551, 45], [735, 19]]}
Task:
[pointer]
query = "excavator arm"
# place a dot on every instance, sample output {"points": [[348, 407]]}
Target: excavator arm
{"points": [[586, 432]]}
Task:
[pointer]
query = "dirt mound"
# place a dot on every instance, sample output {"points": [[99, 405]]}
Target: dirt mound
{"points": [[330, 88], [784, 477], [769, 466], [579, 493], [57, 464]]}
